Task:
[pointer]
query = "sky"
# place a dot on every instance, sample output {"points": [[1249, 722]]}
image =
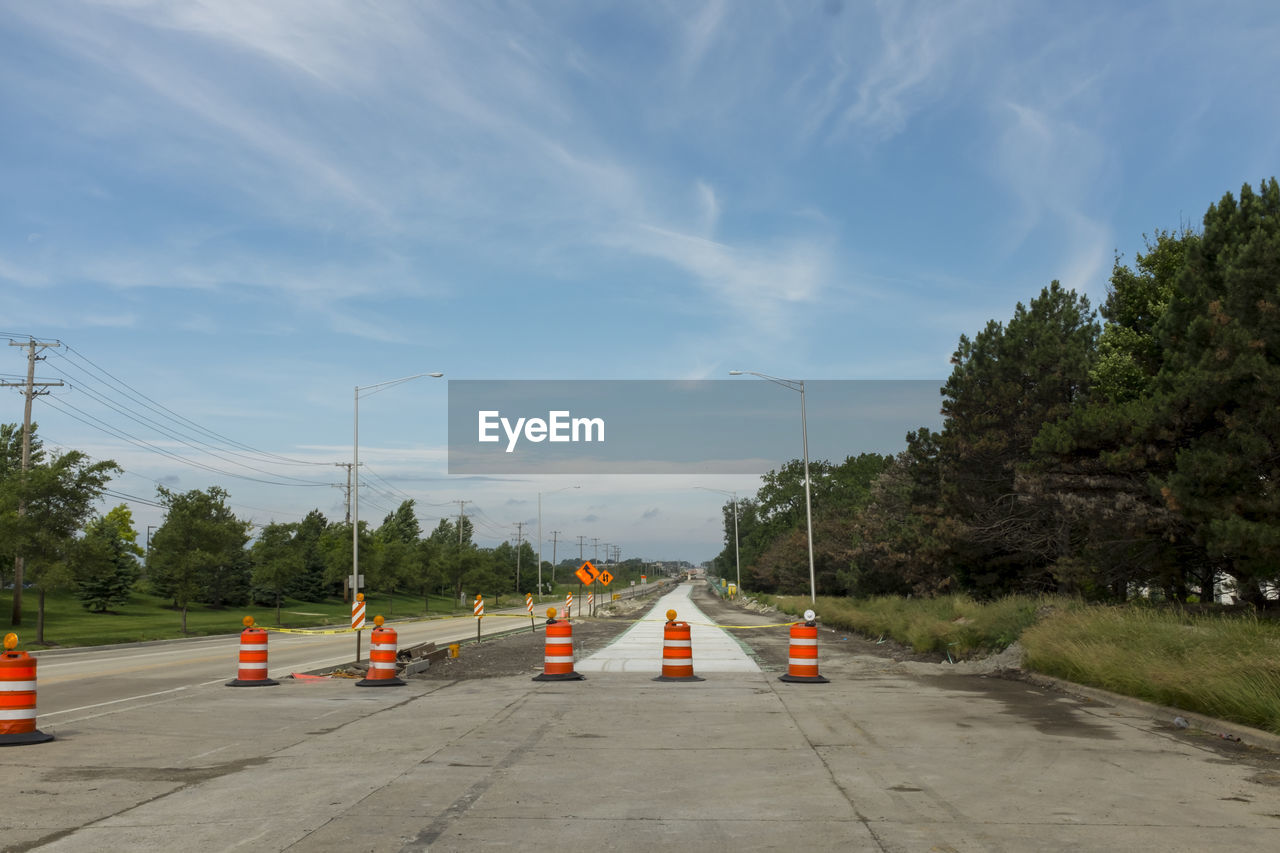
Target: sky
{"points": [[231, 214]]}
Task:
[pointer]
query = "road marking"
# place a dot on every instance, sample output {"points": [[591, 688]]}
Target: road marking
{"points": [[128, 699]]}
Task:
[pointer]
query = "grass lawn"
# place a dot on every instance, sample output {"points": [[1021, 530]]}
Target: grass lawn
{"points": [[147, 617], [1223, 665]]}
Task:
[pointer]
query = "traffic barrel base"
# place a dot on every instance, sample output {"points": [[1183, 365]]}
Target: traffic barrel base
{"points": [[558, 659], [33, 736], [677, 651], [252, 671], [802, 659], [382, 658], [18, 697]]}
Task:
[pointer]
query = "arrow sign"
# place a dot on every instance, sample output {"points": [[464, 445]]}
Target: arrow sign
{"points": [[586, 573], [606, 578]]}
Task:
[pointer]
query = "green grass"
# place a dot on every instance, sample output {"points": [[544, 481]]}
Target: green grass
{"points": [[147, 617], [1226, 667], [955, 625]]}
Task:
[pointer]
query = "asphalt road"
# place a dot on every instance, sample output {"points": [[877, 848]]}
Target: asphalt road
{"points": [[882, 758]]}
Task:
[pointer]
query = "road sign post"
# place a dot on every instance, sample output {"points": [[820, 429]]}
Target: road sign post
{"points": [[357, 619], [478, 609]]}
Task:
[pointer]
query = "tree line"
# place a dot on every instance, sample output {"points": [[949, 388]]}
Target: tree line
{"points": [[1139, 454], [203, 553]]}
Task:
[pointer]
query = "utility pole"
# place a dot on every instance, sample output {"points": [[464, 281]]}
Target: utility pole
{"points": [[554, 534], [519, 542], [347, 489], [29, 393], [460, 517], [581, 539], [595, 543]]}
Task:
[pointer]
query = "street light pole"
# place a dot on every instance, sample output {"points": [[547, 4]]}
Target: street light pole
{"points": [[737, 559], [355, 482], [797, 385], [565, 489]]}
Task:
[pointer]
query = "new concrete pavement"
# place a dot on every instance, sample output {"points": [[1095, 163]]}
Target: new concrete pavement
{"points": [[879, 759]]}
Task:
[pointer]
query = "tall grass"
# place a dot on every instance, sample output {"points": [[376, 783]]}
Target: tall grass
{"points": [[955, 625], [1226, 667]]}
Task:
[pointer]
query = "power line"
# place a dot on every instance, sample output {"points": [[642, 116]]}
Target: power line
{"points": [[145, 445], [163, 410]]}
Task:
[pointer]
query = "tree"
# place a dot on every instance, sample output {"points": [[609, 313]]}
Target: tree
{"points": [[395, 562], [1218, 389], [278, 561], [1007, 383], [105, 563], [198, 554], [1097, 464], [310, 583], [57, 495]]}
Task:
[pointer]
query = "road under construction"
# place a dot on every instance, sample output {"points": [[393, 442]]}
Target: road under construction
{"points": [[882, 757]]}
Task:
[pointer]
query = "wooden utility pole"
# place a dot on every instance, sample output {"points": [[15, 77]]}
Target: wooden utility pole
{"points": [[29, 393], [519, 542]]}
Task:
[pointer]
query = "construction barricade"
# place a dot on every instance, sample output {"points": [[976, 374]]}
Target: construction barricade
{"points": [[802, 658], [677, 651], [382, 658], [253, 658], [558, 659], [18, 697]]}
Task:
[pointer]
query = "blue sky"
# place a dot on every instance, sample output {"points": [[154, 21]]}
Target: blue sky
{"points": [[243, 210]]}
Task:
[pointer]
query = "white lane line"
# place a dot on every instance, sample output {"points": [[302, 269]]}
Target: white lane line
{"points": [[129, 699]]}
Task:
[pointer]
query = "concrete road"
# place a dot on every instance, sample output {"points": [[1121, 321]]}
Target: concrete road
{"points": [[879, 759], [75, 682]]}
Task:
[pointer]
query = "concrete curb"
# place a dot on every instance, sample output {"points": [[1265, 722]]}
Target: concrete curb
{"points": [[1247, 734]]}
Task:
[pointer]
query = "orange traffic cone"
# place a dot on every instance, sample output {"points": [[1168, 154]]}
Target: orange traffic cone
{"points": [[802, 659], [677, 651], [253, 658], [382, 658], [557, 662], [18, 697]]}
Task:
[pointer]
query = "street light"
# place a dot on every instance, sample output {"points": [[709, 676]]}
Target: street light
{"points": [[565, 489], [736, 559], [797, 385], [366, 390]]}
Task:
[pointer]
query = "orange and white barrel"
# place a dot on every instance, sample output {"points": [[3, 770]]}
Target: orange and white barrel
{"points": [[252, 671], [557, 662], [18, 697], [382, 658], [677, 651], [802, 658]]}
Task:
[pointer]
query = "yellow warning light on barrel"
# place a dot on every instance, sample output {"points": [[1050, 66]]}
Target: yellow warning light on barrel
{"points": [[671, 616], [247, 621], [378, 620], [10, 641], [551, 613]]}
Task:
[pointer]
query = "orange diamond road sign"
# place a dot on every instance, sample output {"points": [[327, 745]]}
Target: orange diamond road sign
{"points": [[605, 577], [587, 572]]}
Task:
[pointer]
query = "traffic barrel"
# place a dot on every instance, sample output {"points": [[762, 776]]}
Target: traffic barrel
{"points": [[382, 658], [557, 662], [253, 658], [802, 659], [677, 651], [18, 697]]}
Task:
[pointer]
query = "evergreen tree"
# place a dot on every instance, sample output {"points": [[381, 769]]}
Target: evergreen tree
{"points": [[1218, 391], [1007, 383], [105, 563]]}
